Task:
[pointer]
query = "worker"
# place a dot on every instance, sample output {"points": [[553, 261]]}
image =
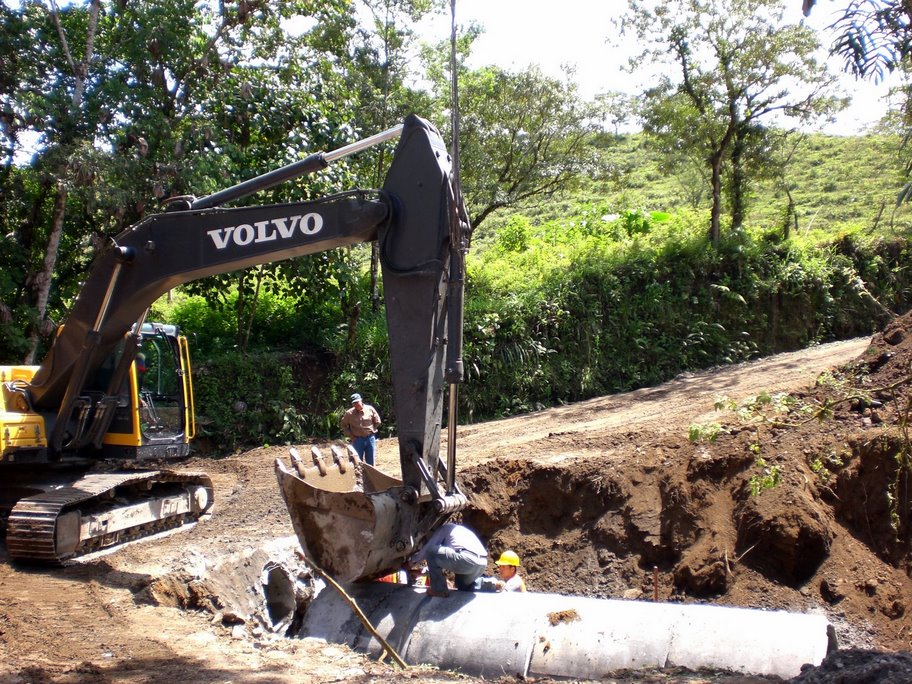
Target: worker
{"points": [[457, 549], [508, 569], [141, 369], [359, 424]]}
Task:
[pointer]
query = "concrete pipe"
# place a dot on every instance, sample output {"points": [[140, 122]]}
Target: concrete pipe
{"points": [[549, 635]]}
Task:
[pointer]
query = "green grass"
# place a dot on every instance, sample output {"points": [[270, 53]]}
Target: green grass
{"points": [[839, 185]]}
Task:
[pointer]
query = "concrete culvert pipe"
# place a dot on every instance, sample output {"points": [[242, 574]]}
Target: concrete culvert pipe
{"points": [[548, 635], [279, 594]]}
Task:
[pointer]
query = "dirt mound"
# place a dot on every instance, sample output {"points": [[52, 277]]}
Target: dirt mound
{"points": [[797, 502], [854, 665]]}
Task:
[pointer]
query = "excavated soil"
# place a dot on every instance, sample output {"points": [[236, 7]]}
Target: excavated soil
{"points": [[797, 504]]}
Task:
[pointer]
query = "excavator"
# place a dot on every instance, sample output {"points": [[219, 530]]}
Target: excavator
{"points": [[83, 435]]}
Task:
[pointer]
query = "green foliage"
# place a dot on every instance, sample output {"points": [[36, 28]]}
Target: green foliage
{"points": [[585, 308], [823, 465], [249, 399], [761, 407], [704, 433], [768, 477], [279, 322]]}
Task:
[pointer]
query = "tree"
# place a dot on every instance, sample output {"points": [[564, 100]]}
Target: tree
{"points": [[737, 68], [380, 71], [523, 136], [121, 95]]}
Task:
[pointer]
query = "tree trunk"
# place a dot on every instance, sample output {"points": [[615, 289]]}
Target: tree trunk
{"points": [[247, 310], [737, 183], [374, 276], [41, 284], [791, 216], [715, 230]]}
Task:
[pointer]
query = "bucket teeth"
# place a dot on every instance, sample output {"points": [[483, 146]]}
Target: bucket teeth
{"points": [[352, 454], [318, 460], [338, 455], [297, 462]]}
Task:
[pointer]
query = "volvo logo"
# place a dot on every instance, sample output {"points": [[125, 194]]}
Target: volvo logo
{"points": [[266, 231]]}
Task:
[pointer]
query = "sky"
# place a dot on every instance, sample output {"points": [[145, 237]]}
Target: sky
{"points": [[518, 33]]}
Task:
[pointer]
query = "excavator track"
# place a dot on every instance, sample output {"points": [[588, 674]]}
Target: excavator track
{"points": [[103, 509]]}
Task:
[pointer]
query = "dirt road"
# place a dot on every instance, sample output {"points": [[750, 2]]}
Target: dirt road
{"points": [[91, 621], [652, 412]]}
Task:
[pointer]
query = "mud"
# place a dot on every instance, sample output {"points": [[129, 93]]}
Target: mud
{"points": [[783, 509]]}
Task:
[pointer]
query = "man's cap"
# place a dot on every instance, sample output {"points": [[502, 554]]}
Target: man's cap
{"points": [[356, 397]]}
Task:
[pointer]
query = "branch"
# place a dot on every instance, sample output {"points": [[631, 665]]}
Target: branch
{"points": [[93, 27], [55, 17], [357, 611]]}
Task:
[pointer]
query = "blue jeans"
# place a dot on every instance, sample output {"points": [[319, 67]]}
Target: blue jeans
{"points": [[465, 566], [366, 447]]}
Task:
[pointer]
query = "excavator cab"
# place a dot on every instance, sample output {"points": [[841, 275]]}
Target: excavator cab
{"points": [[164, 385], [152, 413]]}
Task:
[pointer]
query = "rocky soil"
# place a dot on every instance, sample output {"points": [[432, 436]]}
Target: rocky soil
{"points": [[793, 496]]}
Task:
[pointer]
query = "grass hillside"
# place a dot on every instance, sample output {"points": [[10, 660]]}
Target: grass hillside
{"points": [[837, 184]]}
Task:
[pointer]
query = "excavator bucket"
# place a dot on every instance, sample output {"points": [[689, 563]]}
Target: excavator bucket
{"points": [[347, 515]]}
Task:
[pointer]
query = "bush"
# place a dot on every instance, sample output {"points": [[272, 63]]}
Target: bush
{"points": [[557, 312]]}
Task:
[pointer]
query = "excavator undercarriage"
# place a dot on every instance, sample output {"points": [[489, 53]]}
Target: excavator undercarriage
{"points": [[100, 510]]}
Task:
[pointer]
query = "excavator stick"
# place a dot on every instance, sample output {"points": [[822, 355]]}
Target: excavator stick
{"points": [[353, 520]]}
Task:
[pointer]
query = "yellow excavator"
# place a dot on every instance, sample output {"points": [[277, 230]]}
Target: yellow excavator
{"points": [[81, 432]]}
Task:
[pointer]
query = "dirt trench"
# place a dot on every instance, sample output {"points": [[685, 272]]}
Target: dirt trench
{"points": [[797, 502]]}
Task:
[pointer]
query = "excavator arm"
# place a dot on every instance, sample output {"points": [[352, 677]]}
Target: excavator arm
{"points": [[421, 224], [169, 249]]}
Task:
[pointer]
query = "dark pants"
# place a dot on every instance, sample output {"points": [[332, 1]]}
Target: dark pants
{"points": [[366, 447]]}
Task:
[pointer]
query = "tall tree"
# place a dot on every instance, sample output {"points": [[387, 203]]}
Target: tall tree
{"points": [[523, 136], [119, 96], [78, 59], [381, 69], [738, 67]]}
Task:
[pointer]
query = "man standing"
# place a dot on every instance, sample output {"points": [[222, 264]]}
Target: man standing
{"points": [[360, 425], [457, 549]]}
